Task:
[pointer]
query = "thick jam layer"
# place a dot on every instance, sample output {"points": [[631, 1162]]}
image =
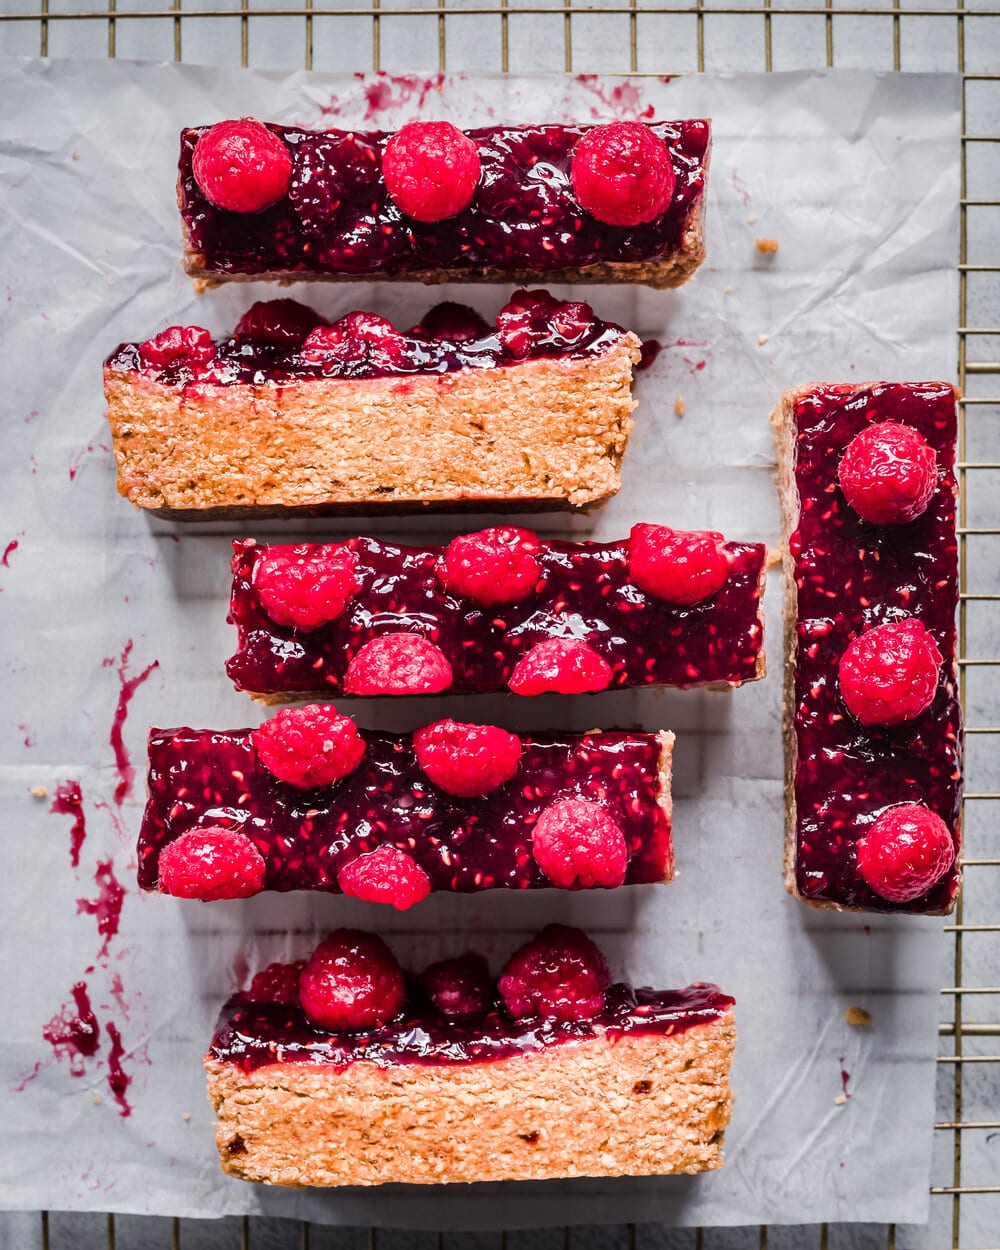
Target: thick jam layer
{"points": [[253, 1035], [337, 216], [204, 777], [852, 575], [584, 593]]}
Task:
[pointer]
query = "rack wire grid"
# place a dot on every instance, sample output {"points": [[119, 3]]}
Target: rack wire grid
{"points": [[636, 38]]}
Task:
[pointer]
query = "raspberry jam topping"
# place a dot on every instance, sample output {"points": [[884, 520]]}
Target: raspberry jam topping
{"points": [[905, 852], [278, 323], [211, 863], [306, 587], [852, 577], [889, 674], [492, 567], [190, 345], [680, 566], [576, 843], [623, 174], [398, 664], [203, 778], [431, 170], [385, 875], [467, 760], [584, 593], [309, 746], [277, 983], [338, 216], [561, 666], [241, 166], [452, 1012], [351, 982], [888, 473]]}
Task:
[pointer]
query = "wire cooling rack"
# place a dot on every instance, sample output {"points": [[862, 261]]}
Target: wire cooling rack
{"points": [[638, 37]]}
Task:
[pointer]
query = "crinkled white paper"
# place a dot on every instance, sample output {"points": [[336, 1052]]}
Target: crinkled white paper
{"points": [[856, 176]]}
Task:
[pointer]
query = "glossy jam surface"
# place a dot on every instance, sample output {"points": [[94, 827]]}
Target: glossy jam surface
{"points": [[852, 575], [585, 593], [252, 1035], [337, 216], [202, 777]]}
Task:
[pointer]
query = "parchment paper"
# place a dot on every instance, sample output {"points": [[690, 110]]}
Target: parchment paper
{"points": [[856, 176]]}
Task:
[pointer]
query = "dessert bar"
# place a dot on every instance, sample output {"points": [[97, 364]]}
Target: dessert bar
{"points": [[294, 415], [873, 734], [342, 1070], [310, 802], [616, 203], [500, 609]]}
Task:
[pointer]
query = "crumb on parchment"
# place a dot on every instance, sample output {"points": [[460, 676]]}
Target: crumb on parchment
{"points": [[39, 792], [679, 406], [766, 246], [858, 1017], [840, 1100], [761, 339]]}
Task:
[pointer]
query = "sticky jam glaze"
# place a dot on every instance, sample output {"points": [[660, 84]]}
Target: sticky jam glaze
{"points": [[852, 575], [205, 777], [584, 593], [337, 217], [252, 1035]]}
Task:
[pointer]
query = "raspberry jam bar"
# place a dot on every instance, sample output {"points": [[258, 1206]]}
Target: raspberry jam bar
{"points": [[873, 731], [343, 1070], [292, 415], [496, 610], [616, 203], [310, 802]]}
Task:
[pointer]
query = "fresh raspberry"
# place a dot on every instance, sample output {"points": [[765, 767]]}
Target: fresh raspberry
{"points": [[308, 586], [492, 567], [533, 322], [460, 987], [888, 473], [398, 664], [451, 323], [467, 760], [622, 174], [890, 673], [560, 666], [211, 864], [561, 975], [385, 875], [357, 345], [351, 981], [431, 170], [277, 983], [577, 844], [189, 345], [680, 566], [278, 322], [906, 851], [241, 166], [309, 746]]}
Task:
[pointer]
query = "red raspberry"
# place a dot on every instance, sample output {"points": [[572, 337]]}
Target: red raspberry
{"points": [[890, 673], [190, 345], [278, 322], [622, 174], [431, 170], [451, 323], [906, 851], [356, 345], [560, 666], [577, 844], [211, 864], [680, 566], [460, 987], [351, 981], [492, 567], [385, 875], [309, 746], [467, 760], [241, 166], [534, 321], [306, 587], [398, 664], [277, 983], [888, 473], [561, 975]]}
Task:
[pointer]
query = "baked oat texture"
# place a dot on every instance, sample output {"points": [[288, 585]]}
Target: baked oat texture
{"points": [[647, 1105], [545, 432]]}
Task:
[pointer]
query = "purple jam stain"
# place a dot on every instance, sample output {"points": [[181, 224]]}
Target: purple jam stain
{"points": [[26, 729], [129, 685], [845, 1078], [254, 1034], [524, 215], [379, 90], [77, 458], [8, 551], [651, 348], [206, 777], [624, 100], [107, 907], [118, 1078], [851, 576], [73, 1033], [740, 188], [584, 593], [68, 801]]}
